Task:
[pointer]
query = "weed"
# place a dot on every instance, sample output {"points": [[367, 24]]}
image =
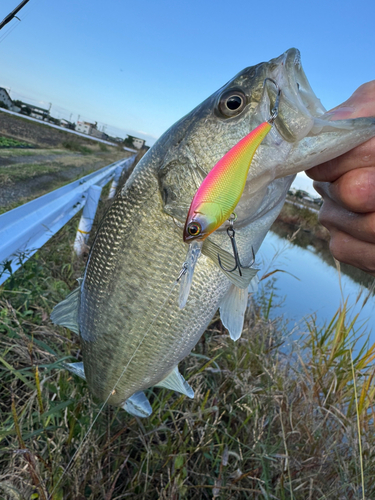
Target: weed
{"points": [[74, 145], [266, 422]]}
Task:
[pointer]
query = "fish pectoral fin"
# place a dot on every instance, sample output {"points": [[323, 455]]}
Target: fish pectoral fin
{"points": [[232, 311], [176, 382], [211, 250], [76, 369], [138, 405], [65, 313]]}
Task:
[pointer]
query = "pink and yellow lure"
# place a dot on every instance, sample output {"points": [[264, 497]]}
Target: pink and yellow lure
{"points": [[214, 203], [221, 190]]}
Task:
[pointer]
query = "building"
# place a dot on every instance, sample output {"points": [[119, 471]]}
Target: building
{"points": [[134, 142], [6, 102], [90, 129], [67, 124], [85, 127], [38, 113], [34, 111]]}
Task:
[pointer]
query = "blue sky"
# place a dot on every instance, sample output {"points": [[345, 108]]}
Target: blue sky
{"points": [[137, 67]]}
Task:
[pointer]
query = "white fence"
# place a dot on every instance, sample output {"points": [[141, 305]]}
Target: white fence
{"points": [[25, 229]]}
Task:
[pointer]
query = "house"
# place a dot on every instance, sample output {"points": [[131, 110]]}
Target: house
{"points": [[90, 129], [6, 102], [85, 127], [134, 142], [34, 111], [39, 113]]}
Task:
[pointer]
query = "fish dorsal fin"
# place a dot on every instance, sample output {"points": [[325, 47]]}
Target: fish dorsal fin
{"points": [[76, 368], [66, 312], [138, 405], [211, 250], [232, 311], [176, 382]]}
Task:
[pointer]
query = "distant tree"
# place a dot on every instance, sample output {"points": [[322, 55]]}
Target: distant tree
{"points": [[299, 194], [128, 142], [26, 110]]}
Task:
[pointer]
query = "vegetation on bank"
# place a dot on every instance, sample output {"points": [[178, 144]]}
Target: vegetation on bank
{"points": [[270, 419], [303, 217], [6, 142]]}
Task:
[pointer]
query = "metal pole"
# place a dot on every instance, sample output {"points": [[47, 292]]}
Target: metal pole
{"points": [[114, 184], [87, 219], [10, 16]]}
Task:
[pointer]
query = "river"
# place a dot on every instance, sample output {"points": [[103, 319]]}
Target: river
{"points": [[315, 285]]}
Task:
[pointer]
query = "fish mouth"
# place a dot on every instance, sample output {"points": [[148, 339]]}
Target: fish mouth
{"points": [[300, 109], [298, 81]]}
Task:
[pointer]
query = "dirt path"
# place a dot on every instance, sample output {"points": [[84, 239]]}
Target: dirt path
{"points": [[52, 159], [24, 177]]}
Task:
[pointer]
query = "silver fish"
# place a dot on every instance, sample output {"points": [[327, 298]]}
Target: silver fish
{"points": [[126, 309]]}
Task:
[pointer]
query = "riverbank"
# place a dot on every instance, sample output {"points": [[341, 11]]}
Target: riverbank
{"points": [[303, 217], [36, 159], [263, 423]]}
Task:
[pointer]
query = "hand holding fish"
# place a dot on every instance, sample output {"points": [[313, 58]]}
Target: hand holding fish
{"points": [[347, 185]]}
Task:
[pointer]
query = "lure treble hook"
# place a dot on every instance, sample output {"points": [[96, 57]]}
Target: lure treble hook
{"points": [[232, 233], [275, 109]]}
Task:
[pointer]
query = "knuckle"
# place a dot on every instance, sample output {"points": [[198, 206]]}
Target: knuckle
{"points": [[339, 249]]}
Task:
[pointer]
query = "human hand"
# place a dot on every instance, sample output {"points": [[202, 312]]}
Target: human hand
{"points": [[347, 186]]}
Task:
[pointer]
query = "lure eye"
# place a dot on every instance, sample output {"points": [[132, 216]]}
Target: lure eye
{"points": [[232, 102], [194, 229]]}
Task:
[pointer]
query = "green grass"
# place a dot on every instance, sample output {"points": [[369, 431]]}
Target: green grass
{"points": [[6, 142], [267, 421], [75, 146]]}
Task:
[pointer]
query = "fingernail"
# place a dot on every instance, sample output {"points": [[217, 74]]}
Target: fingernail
{"points": [[340, 113]]}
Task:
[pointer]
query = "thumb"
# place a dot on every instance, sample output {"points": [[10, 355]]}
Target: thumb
{"points": [[360, 104]]}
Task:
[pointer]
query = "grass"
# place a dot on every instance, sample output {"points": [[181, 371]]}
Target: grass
{"points": [[18, 173], [305, 218], [6, 142], [75, 146], [267, 421]]}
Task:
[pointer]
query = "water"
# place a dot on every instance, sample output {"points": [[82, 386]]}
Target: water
{"points": [[317, 289]]}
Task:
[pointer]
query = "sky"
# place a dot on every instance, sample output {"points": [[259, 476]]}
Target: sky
{"points": [[137, 67]]}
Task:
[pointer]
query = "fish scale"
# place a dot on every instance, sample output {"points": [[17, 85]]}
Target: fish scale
{"points": [[167, 334]]}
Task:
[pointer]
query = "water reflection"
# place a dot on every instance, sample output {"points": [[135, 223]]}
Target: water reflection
{"points": [[317, 289], [305, 239]]}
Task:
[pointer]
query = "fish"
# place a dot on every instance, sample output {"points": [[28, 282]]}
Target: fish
{"points": [[126, 309]]}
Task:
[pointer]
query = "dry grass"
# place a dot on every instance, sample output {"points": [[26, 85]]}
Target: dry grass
{"points": [[268, 421]]}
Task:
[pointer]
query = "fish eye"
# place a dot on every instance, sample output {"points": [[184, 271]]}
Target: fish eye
{"points": [[232, 102], [194, 228]]}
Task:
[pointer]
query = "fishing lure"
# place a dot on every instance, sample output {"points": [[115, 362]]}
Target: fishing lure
{"points": [[217, 197], [221, 190]]}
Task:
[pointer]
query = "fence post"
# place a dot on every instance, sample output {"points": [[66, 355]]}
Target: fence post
{"points": [[114, 184], [87, 219]]}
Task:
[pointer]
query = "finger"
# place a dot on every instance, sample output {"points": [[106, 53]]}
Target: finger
{"points": [[360, 103], [351, 251], [336, 218], [362, 156], [354, 190]]}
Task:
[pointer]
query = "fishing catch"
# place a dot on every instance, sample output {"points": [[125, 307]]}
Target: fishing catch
{"points": [[134, 322]]}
